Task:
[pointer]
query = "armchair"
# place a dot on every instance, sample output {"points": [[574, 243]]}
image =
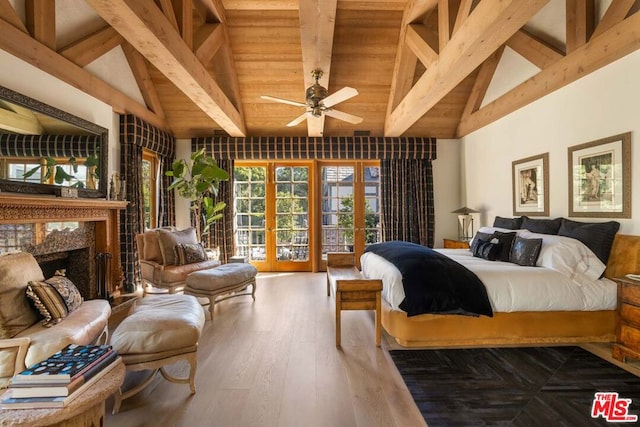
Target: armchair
{"points": [[160, 267]]}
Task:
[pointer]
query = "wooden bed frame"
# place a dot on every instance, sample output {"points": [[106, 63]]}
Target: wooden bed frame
{"points": [[518, 328]]}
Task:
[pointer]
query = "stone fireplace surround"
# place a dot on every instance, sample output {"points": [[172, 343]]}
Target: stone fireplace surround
{"points": [[101, 220]]}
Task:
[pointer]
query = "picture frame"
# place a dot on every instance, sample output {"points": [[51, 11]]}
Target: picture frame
{"points": [[530, 179], [600, 178]]}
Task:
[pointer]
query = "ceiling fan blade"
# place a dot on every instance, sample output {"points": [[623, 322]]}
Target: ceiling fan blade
{"points": [[284, 101], [339, 96], [301, 118], [343, 116]]}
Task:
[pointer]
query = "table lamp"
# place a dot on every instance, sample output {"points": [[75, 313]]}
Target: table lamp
{"points": [[465, 223]]}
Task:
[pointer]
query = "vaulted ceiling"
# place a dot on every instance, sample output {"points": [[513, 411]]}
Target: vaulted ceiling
{"points": [[439, 68]]}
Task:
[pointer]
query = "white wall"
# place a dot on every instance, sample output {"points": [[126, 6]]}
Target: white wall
{"points": [[602, 104], [28, 80], [447, 181], [183, 218]]}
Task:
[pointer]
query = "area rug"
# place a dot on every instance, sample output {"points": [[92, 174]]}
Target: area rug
{"points": [[547, 386]]}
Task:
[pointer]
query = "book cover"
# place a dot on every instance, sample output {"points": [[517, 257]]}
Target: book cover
{"points": [[63, 365], [54, 390], [7, 401]]}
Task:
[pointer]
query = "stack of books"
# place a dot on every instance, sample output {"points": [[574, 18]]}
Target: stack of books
{"points": [[56, 381]]}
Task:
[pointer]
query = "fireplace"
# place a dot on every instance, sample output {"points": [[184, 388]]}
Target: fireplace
{"points": [[67, 234]]}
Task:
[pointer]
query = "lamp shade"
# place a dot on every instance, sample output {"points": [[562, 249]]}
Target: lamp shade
{"points": [[465, 211]]}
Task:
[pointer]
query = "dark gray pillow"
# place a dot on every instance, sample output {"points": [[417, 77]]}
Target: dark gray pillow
{"points": [[487, 250], [597, 236], [505, 241], [508, 223], [525, 251], [480, 236], [542, 226]]}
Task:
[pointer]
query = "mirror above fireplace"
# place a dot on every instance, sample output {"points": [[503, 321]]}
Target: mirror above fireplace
{"points": [[44, 149]]}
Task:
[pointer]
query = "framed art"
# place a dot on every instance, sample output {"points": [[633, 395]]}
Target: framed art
{"points": [[531, 186], [600, 178]]}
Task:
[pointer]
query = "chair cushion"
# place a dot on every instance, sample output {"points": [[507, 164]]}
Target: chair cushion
{"points": [[221, 277], [179, 273], [158, 324], [16, 313], [169, 239]]}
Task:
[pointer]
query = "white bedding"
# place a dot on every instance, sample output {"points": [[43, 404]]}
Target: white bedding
{"points": [[510, 287]]}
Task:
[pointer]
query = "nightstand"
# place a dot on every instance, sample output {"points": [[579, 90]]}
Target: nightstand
{"points": [[455, 244], [628, 320]]}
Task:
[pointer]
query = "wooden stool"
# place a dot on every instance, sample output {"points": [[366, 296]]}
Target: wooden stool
{"points": [[352, 290]]}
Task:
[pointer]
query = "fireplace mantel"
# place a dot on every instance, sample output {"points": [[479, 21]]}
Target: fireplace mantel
{"points": [[105, 214]]}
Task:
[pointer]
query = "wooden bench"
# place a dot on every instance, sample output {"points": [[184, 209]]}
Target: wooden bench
{"points": [[352, 290]]}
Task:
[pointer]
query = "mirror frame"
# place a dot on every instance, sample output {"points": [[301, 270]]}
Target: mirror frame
{"points": [[49, 189]]}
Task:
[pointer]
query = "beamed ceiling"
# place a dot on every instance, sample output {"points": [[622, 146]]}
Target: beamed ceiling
{"points": [[421, 67]]}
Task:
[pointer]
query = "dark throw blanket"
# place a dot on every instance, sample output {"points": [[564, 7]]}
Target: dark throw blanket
{"points": [[434, 283]]}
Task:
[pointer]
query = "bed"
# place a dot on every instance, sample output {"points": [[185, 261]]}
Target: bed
{"points": [[586, 313]]}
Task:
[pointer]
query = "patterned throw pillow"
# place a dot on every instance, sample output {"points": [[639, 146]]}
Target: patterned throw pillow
{"points": [[54, 298], [188, 253]]}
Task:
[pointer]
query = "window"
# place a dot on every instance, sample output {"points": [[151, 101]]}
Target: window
{"points": [[150, 188]]}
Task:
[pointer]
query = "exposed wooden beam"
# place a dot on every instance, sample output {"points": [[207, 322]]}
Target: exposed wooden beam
{"points": [[92, 47], [184, 15], [463, 13], [41, 21], [610, 46], [615, 13], [490, 25], [140, 71], [444, 28], [167, 9], [317, 23], [535, 50], [481, 84], [261, 4], [214, 10], [146, 28], [208, 40], [21, 45], [579, 17], [18, 123], [9, 14], [423, 42]]}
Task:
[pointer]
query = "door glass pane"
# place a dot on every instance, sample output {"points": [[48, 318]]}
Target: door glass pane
{"points": [[371, 176], [292, 215], [249, 185], [337, 209]]}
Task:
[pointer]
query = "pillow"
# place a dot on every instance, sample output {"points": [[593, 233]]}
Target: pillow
{"points": [[509, 223], [597, 236], [487, 250], [525, 252], [67, 290], [169, 239], [48, 302], [188, 253], [505, 240], [480, 236], [542, 226], [567, 256]]}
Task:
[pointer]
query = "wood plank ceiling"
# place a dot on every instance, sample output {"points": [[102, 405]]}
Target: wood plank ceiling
{"points": [[421, 67]]}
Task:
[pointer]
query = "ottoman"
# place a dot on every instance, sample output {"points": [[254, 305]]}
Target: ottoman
{"points": [[160, 331], [227, 279]]}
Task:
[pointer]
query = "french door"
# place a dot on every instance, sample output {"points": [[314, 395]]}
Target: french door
{"points": [[274, 213]]}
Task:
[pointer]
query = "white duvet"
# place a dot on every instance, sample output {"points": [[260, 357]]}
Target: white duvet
{"points": [[510, 287]]}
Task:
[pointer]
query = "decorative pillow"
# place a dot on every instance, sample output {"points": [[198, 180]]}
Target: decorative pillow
{"points": [[188, 253], [597, 236], [480, 236], [509, 223], [525, 251], [169, 239], [506, 241], [48, 302], [542, 226], [487, 250], [67, 290]]}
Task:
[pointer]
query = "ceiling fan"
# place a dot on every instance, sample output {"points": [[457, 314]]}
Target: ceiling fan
{"points": [[319, 102]]}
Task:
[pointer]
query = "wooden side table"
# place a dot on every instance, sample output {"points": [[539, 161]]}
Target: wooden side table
{"points": [[455, 244], [628, 320]]}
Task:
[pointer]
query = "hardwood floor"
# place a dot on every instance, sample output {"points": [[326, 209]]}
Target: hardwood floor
{"points": [[273, 362]]}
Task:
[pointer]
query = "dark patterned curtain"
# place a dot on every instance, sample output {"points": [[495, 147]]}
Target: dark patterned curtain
{"points": [[407, 201], [18, 145], [136, 135], [221, 233]]}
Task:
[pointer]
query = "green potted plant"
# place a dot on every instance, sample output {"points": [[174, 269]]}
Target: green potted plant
{"points": [[198, 180]]}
